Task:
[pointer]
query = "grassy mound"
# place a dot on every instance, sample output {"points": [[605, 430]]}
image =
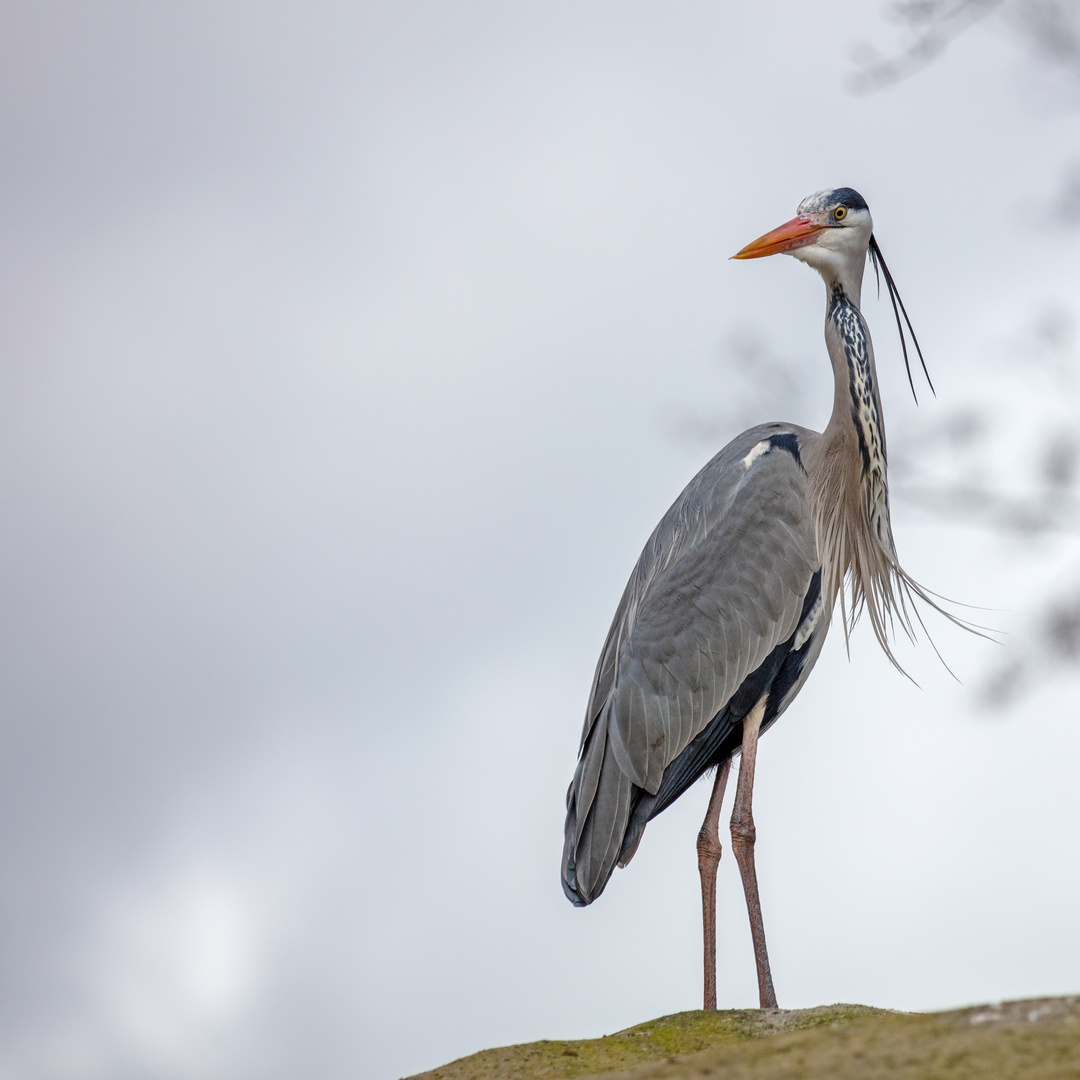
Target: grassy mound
{"points": [[1032, 1040]]}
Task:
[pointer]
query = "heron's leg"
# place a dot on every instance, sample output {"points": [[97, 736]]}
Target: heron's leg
{"points": [[708, 859], [742, 844]]}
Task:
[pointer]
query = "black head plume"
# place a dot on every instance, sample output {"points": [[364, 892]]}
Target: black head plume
{"points": [[882, 270]]}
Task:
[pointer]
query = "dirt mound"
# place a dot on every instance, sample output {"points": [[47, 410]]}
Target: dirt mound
{"points": [[1034, 1040]]}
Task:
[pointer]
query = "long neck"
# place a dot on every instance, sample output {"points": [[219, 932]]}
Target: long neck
{"points": [[856, 404], [849, 475], [846, 466]]}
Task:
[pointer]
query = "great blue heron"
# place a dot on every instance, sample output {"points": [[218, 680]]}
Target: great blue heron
{"points": [[728, 606]]}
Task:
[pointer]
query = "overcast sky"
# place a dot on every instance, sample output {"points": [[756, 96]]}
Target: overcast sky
{"points": [[347, 358]]}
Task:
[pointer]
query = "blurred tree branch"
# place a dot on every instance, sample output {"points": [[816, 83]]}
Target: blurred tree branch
{"points": [[931, 25], [1049, 28]]}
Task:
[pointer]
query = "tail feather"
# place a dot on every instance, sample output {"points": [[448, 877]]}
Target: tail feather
{"points": [[587, 775], [597, 812]]}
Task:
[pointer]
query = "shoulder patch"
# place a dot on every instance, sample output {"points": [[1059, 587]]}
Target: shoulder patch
{"points": [[788, 442]]}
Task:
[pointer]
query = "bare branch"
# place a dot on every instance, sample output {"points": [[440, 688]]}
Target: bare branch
{"points": [[934, 24], [1066, 207], [1052, 31]]}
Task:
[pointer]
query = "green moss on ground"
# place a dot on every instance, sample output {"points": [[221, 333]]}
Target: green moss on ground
{"points": [[1032, 1040], [668, 1036]]}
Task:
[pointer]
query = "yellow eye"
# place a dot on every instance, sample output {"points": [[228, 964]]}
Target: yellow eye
{"points": [[840, 213]]}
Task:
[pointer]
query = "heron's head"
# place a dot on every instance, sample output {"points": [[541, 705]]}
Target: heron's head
{"points": [[830, 232]]}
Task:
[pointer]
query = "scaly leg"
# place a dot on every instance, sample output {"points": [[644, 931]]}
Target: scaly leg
{"points": [[708, 859], [742, 844]]}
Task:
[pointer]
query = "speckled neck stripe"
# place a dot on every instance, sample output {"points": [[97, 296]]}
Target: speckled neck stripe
{"points": [[865, 416]]}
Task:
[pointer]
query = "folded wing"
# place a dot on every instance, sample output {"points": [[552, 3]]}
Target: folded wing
{"points": [[721, 584]]}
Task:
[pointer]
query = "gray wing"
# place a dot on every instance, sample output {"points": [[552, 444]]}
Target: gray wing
{"points": [[720, 584]]}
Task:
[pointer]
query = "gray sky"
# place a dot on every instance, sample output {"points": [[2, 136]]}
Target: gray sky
{"points": [[340, 351]]}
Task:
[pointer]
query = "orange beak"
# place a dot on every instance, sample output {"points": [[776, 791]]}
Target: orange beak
{"points": [[796, 233]]}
